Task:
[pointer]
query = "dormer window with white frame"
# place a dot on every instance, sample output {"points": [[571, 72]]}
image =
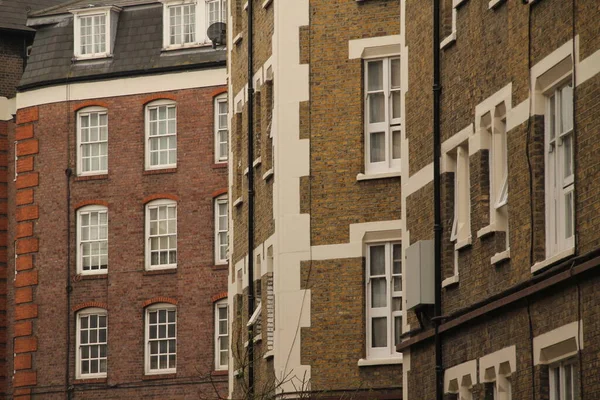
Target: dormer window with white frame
{"points": [[94, 32], [382, 115], [185, 22]]}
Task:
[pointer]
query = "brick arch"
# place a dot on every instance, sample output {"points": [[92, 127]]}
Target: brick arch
{"points": [[160, 196], [219, 192], [159, 96], [218, 91], [89, 103], [89, 304], [91, 203], [219, 296], [159, 299]]}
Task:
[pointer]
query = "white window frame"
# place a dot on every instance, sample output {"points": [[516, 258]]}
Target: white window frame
{"points": [[219, 156], [560, 369], [219, 305], [222, 8], [152, 308], [96, 11], [219, 229], [149, 206], [390, 350], [78, 360], [147, 146], [201, 24], [80, 242], [461, 225], [390, 125], [554, 158], [88, 111]]}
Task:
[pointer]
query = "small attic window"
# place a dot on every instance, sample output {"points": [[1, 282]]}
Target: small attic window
{"points": [[94, 32]]}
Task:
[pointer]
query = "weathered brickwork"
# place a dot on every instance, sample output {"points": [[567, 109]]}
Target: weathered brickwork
{"points": [[499, 46], [44, 229]]}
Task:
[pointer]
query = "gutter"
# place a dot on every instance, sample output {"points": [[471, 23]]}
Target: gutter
{"points": [[120, 74], [560, 274]]}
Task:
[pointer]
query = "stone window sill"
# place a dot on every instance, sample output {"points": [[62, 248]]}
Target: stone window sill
{"points": [[453, 280], [220, 165], [450, 39], [160, 171], [486, 231], [494, 4], [165, 271], [84, 381], [90, 177], [238, 38], [268, 174], [463, 244], [551, 260], [379, 361], [86, 277], [499, 257], [238, 202], [382, 175]]}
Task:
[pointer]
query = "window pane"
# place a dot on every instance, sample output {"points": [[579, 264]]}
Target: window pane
{"points": [[397, 283], [396, 104], [376, 107], [377, 260], [395, 72], [377, 153], [567, 146], [552, 110], [556, 381], [566, 103], [396, 145], [379, 332], [568, 382], [397, 329], [375, 75], [568, 215], [397, 304], [378, 293]]}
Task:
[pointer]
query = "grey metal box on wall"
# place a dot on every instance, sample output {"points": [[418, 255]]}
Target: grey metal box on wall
{"points": [[419, 274]]}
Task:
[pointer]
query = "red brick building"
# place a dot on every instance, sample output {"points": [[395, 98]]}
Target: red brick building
{"points": [[118, 205]]}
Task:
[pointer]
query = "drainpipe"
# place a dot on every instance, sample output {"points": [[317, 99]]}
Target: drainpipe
{"points": [[250, 200], [437, 223], [69, 288]]}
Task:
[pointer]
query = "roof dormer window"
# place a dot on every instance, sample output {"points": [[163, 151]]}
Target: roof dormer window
{"points": [[185, 22], [94, 32]]}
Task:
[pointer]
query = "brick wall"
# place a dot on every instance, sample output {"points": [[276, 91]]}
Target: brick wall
{"points": [[40, 311], [495, 46]]}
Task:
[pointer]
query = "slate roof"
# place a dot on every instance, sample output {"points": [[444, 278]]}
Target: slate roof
{"points": [[137, 50], [13, 13], [66, 6]]}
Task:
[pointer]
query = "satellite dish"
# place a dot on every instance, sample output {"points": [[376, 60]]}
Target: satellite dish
{"points": [[217, 33]]}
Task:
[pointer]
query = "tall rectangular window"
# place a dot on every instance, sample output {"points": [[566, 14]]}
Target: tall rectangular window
{"points": [[161, 339], [221, 129], [217, 11], [161, 135], [92, 240], [564, 380], [461, 227], [382, 115], [161, 234], [221, 229], [221, 335], [92, 343], [182, 24], [560, 177], [92, 140], [92, 34], [384, 299]]}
